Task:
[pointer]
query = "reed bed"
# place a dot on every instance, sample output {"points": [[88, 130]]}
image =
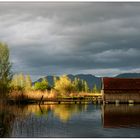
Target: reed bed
{"points": [[36, 95], [17, 95]]}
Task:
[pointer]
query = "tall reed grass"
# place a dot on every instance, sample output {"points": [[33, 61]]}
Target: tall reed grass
{"points": [[36, 95]]}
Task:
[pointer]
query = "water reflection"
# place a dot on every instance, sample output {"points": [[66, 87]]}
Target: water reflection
{"points": [[69, 120], [65, 112], [8, 115], [17, 118], [62, 111], [45, 120], [121, 115]]}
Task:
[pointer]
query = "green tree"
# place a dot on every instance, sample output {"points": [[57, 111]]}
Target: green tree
{"points": [[5, 69], [43, 85], [37, 86], [82, 86], [78, 84], [95, 88], [86, 88]]}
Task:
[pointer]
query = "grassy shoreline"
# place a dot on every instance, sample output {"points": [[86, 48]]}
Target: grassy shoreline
{"points": [[35, 96]]}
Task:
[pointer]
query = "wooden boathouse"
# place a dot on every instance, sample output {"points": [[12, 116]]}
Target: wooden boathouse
{"points": [[121, 90]]}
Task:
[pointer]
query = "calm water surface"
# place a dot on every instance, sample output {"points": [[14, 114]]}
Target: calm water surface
{"points": [[70, 121]]}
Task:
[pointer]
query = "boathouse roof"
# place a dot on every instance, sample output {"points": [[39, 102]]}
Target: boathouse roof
{"points": [[120, 83]]}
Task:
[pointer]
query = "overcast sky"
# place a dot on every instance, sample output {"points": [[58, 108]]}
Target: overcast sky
{"points": [[102, 39]]}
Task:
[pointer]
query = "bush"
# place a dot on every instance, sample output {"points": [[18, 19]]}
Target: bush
{"points": [[64, 86], [43, 85]]}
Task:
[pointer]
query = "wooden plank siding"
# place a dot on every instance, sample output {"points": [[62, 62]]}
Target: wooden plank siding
{"points": [[121, 90], [122, 97]]}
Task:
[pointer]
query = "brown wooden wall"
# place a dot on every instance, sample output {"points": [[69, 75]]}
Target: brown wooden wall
{"points": [[122, 97]]}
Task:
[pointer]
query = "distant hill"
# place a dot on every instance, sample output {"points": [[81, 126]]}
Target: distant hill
{"points": [[91, 79], [128, 75]]}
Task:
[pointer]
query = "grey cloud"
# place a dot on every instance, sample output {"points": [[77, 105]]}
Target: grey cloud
{"points": [[55, 38]]}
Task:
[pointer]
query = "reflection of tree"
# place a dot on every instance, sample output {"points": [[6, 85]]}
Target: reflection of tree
{"points": [[13, 118], [38, 110], [65, 112], [8, 115], [6, 121]]}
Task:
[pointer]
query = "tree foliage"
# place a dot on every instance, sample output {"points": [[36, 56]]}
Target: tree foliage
{"points": [[64, 85], [86, 88], [28, 82], [78, 84], [43, 85], [95, 89], [5, 68], [21, 82]]}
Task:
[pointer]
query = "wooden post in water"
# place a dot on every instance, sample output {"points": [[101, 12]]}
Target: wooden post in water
{"points": [[40, 109], [41, 99]]}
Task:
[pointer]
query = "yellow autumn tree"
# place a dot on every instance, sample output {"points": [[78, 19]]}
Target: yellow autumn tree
{"points": [[64, 85]]}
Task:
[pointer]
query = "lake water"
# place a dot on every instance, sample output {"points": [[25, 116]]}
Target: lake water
{"points": [[63, 120]]}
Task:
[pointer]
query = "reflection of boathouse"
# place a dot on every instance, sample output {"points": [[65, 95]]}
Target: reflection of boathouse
{"points": [[121, 90], [121, 116]]}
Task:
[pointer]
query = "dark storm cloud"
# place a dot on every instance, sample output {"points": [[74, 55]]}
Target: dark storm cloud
{"points": [[56, 38]]}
